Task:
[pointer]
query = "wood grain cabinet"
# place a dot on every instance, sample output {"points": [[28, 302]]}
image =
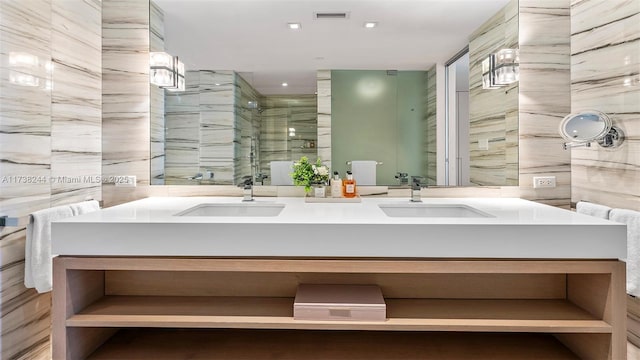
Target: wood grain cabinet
{"points": [[211, 308]]}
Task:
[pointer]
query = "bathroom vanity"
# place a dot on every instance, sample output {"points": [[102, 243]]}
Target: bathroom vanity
{"points": [[215, 278]]}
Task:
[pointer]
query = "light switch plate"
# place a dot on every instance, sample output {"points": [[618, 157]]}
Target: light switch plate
{"points": [[483, 144]]}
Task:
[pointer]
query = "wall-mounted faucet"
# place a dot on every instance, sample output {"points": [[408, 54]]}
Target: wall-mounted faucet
{"points": [[247, 185], [416, 188]]}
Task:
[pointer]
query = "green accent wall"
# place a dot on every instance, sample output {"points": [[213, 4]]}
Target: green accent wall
{"points": [[379, 117]]}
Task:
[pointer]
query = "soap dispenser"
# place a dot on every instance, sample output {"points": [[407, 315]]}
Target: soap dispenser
{"points": [[349, 186], [336, 186]]}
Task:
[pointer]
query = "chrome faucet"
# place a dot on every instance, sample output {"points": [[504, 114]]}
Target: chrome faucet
{"points": [[247, 185], [403, 177], [260, 178], [415, 188]]}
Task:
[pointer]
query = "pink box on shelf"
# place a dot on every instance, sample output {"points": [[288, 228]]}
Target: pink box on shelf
{"points": [[339, 302]]}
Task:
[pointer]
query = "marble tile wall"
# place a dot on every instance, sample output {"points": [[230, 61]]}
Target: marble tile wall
{"points": [[156, 43], [202, 129], [246, 129], [431, 129], [217, 124], [605, 68], [50, 147], [182, 132], [279, 114], [25, 152], [76, 122], [545, 98], [493, 111], [125, 98], [324, 116]]}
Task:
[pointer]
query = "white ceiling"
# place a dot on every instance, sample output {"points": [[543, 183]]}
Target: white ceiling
{"points": [[252, 36]]}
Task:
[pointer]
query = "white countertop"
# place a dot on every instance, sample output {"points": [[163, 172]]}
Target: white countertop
{"points": [[519, 229]]}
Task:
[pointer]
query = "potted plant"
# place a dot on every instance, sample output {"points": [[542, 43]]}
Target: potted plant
{"points": [[310, 175]]}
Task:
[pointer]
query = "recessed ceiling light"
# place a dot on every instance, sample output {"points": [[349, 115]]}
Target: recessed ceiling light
{"points": [[370, 24], [217, 84], [285, 84], [295, 26]]}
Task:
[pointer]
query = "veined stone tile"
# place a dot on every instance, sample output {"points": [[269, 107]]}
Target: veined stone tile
{"points": [[544, 23], [589, 14], [74, 164], [25, 150], [77, 34], [33, 38], [608, 96], [156, 27], [604, 86], [551, 75], [532, 158], [26, 318], [616, 33], [25, 110]]}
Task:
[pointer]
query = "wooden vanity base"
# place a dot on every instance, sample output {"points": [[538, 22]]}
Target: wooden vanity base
{"points": [[221, 308]]}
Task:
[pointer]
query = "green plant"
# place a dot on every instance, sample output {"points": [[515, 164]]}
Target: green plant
{"points": [[306, 174]]}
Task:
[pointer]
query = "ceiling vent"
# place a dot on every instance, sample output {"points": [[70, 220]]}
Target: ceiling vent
{"points": [[331, 15]]}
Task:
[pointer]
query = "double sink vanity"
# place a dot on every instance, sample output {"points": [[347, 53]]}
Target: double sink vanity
{"points": [[215, 278]]}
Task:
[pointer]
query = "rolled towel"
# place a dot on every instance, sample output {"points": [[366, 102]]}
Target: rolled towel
{"points": [[632, 219], [364, 171], [592, 209], [38, 270], [84, 207]]}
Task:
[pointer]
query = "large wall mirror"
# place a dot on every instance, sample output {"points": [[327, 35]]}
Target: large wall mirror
{"points": [[250, 105]]}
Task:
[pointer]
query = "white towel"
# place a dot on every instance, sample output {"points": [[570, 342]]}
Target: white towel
{"points": [[38, 271], [364, 171], [84, 207], [632, 219], [592, 209], [281, 172]]}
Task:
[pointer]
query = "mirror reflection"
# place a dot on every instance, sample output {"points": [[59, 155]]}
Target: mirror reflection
{"points": [[358, 83]]}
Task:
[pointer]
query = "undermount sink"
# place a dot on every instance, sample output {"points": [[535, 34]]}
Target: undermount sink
{"points": [[234, 209], [432, 211]]}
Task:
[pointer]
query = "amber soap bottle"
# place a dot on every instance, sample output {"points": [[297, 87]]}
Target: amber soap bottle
{"points": [[349, 186]]}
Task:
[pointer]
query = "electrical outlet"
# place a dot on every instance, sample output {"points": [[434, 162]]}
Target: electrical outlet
{"points": [[544, 182], [126, 181]]}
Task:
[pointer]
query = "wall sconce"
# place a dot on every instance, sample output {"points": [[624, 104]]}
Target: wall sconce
{"points": [[488, 81], [166, 71], [179, 76], [501, 69], [506, 66]]}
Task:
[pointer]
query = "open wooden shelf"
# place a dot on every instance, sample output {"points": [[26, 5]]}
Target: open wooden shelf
{"points": [[160, 344], [556, 316], [209, 308]]}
